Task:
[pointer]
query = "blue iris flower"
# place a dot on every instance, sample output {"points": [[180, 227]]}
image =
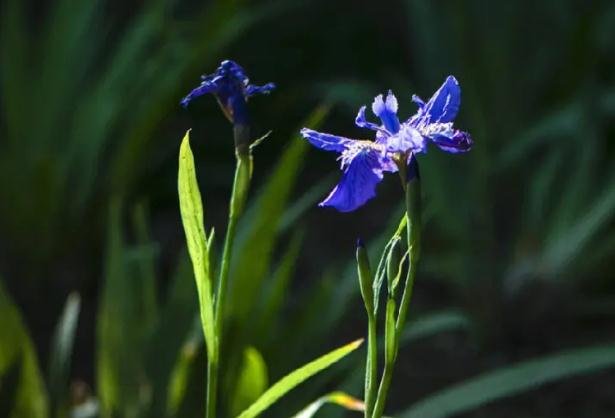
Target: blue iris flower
{"points": [[364, 162], [232, 88]]}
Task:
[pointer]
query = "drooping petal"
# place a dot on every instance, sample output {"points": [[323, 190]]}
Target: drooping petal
{"points": [[386, 110], [407, 139], [324, 141], [456, 143], [204, 88], [251, 89], [358, 183], [444, 104], [362, 122]]}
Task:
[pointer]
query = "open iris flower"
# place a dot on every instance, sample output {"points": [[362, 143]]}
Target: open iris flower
{"points": [[232, 88], [364, 162]]}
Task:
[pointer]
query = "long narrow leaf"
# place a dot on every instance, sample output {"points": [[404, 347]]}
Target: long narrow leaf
{"points": [[293, 379], [62, 349], [512, 380], [18, 364], [191, 207], [337, 398]]}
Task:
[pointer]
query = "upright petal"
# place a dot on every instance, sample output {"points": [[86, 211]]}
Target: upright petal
{"points": [[444, 104], [362, 122], [358, 183], [327, 142], [386, 110], [251, 89]]}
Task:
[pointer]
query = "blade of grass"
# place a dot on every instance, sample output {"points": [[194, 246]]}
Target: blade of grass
{"points": [[18, 359], [512, 380], [296, 377], [62, 351], [191, 207]]}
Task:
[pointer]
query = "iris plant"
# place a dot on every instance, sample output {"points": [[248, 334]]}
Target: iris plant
{"points": [[231, 87], [364, 162]]}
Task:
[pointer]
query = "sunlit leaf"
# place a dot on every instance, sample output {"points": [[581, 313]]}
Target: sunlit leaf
{"points": [[337, 398], [18, 365], [191, 207], [291, 380], [251, 383]]}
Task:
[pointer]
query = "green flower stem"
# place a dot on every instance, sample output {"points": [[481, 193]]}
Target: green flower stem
{"points": [[238, 198], [371, 366], [413, 215], [366, 280]]}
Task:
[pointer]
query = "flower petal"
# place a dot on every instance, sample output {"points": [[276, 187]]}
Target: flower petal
{"points": [[444, 104], [327, 142], [251, 89], [358, 183], [407, 139], [386, 110], [418, 101], [361, 121], [456, 143], [204, 88]]}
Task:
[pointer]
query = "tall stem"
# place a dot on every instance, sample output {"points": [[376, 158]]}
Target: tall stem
{"points": [[237, 202], [371, 366], [413, 215]]}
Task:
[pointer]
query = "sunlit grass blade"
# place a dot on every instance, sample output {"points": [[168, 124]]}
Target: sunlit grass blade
{"points": [[336, 398], [61, 352], [191, 207], [512, 380], [18, 359], [290, 381], [251, 383]]}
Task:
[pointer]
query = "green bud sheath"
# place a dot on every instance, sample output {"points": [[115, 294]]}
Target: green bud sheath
{"points": [[393, 267], [390, 336], [365, 277]]}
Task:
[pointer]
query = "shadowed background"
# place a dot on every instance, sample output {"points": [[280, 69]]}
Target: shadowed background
{"points": [[519, 233]]}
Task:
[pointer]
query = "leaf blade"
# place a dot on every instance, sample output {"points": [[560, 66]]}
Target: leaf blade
{"points": [[291, 380], [191, 208], [512, 380]]}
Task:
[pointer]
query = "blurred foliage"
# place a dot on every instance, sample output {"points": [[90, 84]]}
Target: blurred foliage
{"points": [[518, 235]]}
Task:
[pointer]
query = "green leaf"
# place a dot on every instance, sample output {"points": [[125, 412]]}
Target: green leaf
{"points": [[431, 324], [18, 364], [119, 352], [62, 351], [260, 226], [296, 377], [275, 291], [251, 383], [337, 398], [512, 380], [180, 375], [191, 208], [172, 340]]}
